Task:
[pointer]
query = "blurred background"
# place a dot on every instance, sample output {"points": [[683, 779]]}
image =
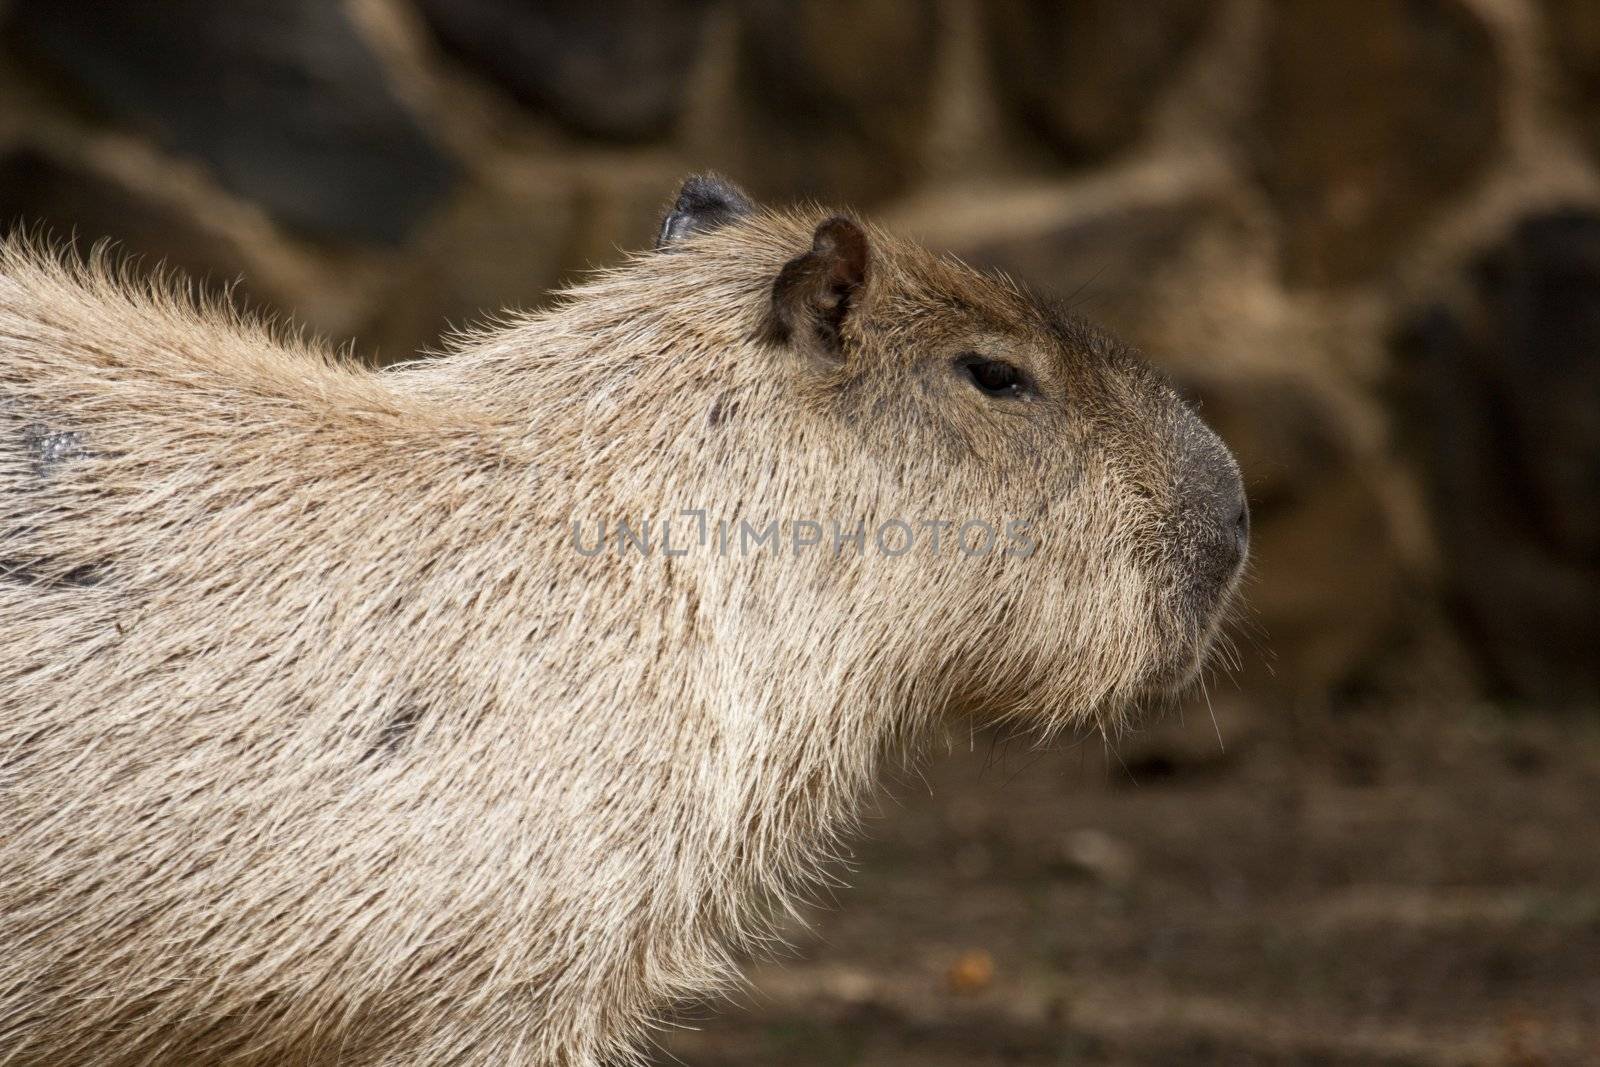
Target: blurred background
{"points": [[1364, 235]]}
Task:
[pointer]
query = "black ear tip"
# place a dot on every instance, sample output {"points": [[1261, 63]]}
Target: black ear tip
{"points": [[704, 202], [711, 192]]}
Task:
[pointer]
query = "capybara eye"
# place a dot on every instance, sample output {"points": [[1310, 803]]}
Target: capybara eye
{"points": [[993, 377]]}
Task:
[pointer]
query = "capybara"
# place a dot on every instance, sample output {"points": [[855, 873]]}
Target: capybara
{"points": [[476, 710]]}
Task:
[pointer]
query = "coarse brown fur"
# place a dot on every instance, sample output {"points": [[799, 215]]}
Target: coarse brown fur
{"points": [[322, 741]]}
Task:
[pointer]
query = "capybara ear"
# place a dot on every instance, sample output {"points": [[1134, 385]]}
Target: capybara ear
{"points": [[817, 291], [704, 203]]}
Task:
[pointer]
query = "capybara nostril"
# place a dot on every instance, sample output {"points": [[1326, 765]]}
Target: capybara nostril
{"points": [[1233, 524]]}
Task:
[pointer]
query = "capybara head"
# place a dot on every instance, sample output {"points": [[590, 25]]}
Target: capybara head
{"points": [[1000, 503]]}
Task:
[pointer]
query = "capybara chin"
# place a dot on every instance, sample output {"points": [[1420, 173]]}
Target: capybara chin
{"points": [[474, 711]]}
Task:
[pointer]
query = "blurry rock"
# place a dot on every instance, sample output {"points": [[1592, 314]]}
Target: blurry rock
{"points": [[1525, 1040], [66, 202], [1101, 264], [1288, 433], [493, 250], [972, 972], [835, 97], [1375, 114], [1097, 855], [849, 985], [1083, 74], [1328, 585], [1503, 397], [616, 70], [280, 97], [1572, 28]]}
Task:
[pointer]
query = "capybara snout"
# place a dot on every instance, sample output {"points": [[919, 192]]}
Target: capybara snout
{"points": [[1216, 537]]}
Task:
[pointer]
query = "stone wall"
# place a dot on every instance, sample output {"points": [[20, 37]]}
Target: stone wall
{"points": [[1364, 234]]}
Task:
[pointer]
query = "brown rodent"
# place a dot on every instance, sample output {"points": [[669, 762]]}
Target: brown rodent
{"points": [[346, 718]]}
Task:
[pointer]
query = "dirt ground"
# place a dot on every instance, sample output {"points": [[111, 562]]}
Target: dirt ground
{"points": [[1396, 888]]}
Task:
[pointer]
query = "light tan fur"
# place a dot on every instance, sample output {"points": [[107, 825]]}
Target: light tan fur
{"points": [[320, 742]]}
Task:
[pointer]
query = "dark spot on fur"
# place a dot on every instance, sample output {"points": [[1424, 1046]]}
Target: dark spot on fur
{"points": [[400, 725], [39, 573], [722, 409], [47, 448], [84, 576], [44, 450]]}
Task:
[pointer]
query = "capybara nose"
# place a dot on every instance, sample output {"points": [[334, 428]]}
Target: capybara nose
{"points": [[1230, 517], [1234, 527], [1217, 522], [1223, 533]]}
